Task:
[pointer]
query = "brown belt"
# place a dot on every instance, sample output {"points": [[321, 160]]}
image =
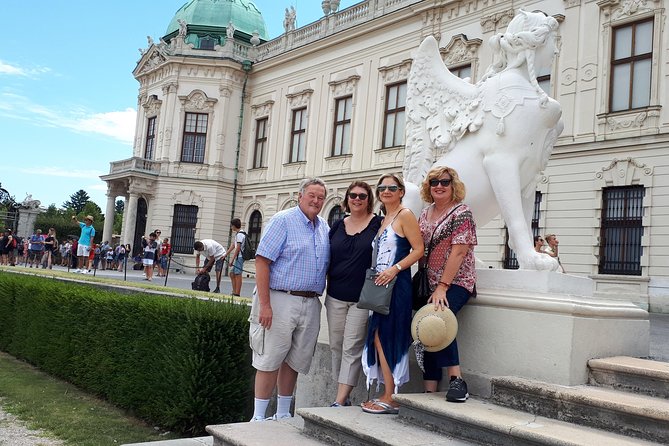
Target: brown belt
{"points": [[301, 293]]}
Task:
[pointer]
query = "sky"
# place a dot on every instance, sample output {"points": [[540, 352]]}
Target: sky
{"points": [[67, 95]]}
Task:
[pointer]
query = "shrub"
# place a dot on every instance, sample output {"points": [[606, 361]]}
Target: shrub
{"points": [[178, 363]]}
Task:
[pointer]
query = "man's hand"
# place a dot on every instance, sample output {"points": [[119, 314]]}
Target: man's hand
{"points": [[265, 316]]}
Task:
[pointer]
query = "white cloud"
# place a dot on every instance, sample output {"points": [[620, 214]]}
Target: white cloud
{"points": [[119, 125], [16, 70]]}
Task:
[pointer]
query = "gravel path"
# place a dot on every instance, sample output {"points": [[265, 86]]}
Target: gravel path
{"points": [[13, 432]]}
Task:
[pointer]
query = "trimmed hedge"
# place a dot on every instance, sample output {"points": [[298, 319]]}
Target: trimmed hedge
{"points": [[179, 363]]}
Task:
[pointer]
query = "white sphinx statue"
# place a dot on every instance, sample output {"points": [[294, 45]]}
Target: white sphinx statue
{"points": [[498, 133]]}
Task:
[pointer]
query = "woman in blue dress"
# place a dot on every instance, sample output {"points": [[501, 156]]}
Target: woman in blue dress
{"points": [[385, 356]]}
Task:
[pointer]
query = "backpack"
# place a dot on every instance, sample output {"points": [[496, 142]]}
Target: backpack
{"points": [[247, 251], [201, 282]]}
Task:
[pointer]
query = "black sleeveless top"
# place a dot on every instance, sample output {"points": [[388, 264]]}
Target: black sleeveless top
{"points": [[350, 256]]}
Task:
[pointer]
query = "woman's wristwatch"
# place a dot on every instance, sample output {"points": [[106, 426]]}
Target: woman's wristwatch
{"points": [[399, 268]]}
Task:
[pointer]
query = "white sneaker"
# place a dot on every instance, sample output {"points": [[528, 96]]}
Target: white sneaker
{"points": [[277, 417], [76, 271], [83, 271], [258, 419]]}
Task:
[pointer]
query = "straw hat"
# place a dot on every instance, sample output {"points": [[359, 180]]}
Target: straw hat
{"points": [[434, 329], [89, 217]]}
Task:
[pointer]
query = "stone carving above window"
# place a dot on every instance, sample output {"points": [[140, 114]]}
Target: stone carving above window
{"points": [[187, 197], [639, 122], [197, 100], [264, 109], [344, 87], [617, 9], [625, 172], [460, 50], [299, 99], [152, 105], [396, 72], [496, 21]]}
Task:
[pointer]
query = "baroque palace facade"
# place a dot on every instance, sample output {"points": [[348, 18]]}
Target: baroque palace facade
{"points": [[229, 122]]}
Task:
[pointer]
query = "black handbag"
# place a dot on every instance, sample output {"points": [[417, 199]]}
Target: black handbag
{"points": [[420, 284], [375, 297]]}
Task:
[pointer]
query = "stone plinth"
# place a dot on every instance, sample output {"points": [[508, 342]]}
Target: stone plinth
{"points": [[544, 326], [27, 217]]}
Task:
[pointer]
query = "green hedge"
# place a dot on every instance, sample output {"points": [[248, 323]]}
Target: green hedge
{"points": [[178, 363]]}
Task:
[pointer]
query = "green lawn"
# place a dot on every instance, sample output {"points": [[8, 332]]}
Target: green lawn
{"points": [[65, 412]]}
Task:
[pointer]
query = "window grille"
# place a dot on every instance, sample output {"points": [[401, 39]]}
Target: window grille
{"points": [[337, 213], [621, 230], [183, 228], [255, 227], [510, 259]]}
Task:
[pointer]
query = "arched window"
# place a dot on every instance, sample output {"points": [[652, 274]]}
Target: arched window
{"points": [[337, 213], [255, 227]]}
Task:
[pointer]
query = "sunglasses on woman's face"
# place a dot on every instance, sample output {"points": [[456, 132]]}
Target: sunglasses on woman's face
{"points": [[444, 182], [353, 196], [393, 188]]}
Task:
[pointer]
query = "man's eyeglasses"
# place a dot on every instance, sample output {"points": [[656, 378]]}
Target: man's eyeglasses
{"points": [[393, 188], [444, 182], [353, 196]]}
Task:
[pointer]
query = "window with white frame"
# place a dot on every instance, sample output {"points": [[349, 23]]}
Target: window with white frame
{"points": [[149, 146], [194, 138], [631, 64], [298, 136], [260, 146], [341, 138], [394, 116]]}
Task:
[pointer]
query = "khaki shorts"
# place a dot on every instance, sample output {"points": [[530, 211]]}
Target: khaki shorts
{"points": [[292, 338]]}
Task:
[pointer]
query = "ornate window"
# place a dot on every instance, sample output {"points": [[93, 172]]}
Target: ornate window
{"points": [[207, 43], [261, 143], [621, 230], [462, 71], [183, 228], [337, 213], [341, 137], [394, 119], [255, 227], [195, 137], [631, 60], [149, 146], [298, 136], [510, 260]]}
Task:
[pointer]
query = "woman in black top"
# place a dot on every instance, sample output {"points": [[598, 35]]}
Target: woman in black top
{"points": [[50, 245], [350, 255]]}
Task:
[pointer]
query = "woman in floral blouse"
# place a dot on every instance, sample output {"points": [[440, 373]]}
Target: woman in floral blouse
{"points": [[449, 232]]}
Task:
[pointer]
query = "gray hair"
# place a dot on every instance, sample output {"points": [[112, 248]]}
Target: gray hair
{"points": [[311, 182]]}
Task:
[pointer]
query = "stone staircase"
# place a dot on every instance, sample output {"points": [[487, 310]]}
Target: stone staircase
{"points": [[626, 403]]}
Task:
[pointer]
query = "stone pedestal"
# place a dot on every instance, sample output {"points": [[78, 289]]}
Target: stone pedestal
{"points": [[544, 326], [532, 324], [26, 225]]}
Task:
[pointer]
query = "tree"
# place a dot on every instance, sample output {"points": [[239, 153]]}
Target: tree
{"points": [[120, 206], [77, 201]]}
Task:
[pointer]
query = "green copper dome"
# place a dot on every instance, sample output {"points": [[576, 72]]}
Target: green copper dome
{"points": [[212, 17]]}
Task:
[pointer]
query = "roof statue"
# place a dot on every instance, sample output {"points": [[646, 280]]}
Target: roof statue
{"points": [[289, 20], [497, 134], [29, 203], [183, 28]]}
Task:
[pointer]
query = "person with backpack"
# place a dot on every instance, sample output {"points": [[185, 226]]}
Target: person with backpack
{"points": [[238, 249], [214, 252]]}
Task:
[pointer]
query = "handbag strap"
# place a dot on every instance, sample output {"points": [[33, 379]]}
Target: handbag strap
{"points": [[429, 246]]}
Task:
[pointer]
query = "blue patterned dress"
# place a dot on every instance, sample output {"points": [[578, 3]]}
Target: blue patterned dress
{"points": [[395, 328]]}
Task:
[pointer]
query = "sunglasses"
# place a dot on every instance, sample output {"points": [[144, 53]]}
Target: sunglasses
{"points": [[353, 196], [445, 182], [393, 188]]}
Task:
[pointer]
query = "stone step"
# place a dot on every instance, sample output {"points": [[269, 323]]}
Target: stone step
{"points": [[351, 426], [268, 433], [486, 423], [631, 374], [639, 416]]}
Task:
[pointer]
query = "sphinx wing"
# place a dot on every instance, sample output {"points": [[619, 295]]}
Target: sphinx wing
{"points": [[440, 106]]}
